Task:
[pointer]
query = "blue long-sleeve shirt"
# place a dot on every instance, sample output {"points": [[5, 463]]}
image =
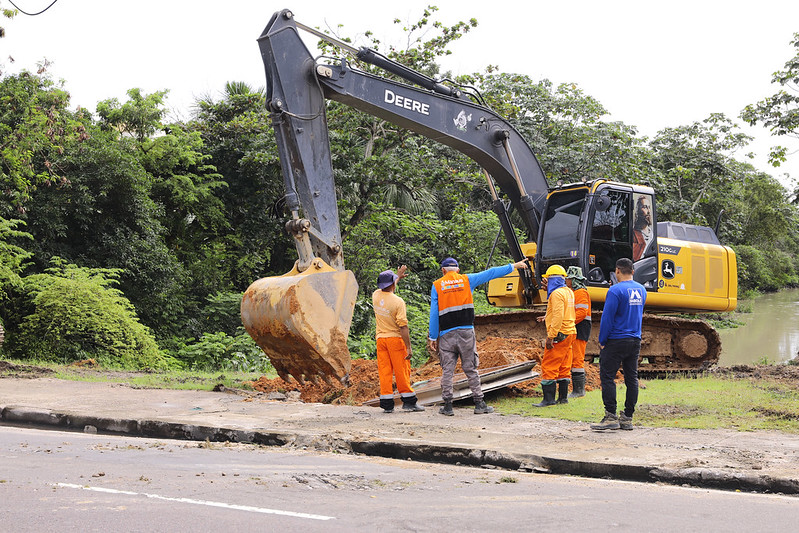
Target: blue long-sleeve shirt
{"points": [[623, 311], [474, 280]]}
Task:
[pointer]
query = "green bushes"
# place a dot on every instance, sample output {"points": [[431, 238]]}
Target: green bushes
{"points": [[77, 314], [220, 351]]}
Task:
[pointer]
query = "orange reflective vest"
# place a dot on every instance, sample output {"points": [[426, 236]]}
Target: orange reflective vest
{"points": [[455, 304]]}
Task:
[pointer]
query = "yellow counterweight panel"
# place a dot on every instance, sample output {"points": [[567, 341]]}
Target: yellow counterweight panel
{"points": [[695, 276]]}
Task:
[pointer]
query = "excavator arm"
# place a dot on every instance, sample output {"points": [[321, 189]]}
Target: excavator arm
{"points": [[297, 87]]}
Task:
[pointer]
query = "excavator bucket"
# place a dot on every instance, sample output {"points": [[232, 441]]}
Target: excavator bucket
{"points": [[301, 321]]}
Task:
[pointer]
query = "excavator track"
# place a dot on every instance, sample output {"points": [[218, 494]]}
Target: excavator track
{"points": [[668, 344]]}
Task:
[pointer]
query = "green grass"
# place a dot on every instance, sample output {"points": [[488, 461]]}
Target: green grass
{"points": [[169, 379], [695, 403]]}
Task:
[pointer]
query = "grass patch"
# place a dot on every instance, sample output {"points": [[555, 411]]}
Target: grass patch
{"points": [[690, 403], [167, 379]]}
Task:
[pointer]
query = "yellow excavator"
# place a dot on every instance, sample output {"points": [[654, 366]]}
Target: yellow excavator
{"points": [[301, 319]]}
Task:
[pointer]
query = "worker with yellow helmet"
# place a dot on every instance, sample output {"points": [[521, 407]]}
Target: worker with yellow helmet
{"points": [[561, 332]]}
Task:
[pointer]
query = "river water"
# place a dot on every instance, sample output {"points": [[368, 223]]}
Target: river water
{"points": [[771, 331]]}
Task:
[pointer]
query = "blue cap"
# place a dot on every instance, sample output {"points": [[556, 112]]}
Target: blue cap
{"points": [[449, 262], [387, 278]]}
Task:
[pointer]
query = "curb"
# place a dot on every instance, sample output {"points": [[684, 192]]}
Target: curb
{"points": [[428, 453]]}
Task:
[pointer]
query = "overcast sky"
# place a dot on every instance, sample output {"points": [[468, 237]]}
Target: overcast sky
{"points": [[652, 64]]}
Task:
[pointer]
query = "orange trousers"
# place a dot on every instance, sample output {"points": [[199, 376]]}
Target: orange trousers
{"points": [[391, 353], [557, 361], [578, 353]]}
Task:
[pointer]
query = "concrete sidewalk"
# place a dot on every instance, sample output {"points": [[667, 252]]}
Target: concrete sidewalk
{"points": [[755, 461]]}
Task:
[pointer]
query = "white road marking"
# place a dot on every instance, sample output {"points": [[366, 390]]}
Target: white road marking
{"points": [[198, 502]]}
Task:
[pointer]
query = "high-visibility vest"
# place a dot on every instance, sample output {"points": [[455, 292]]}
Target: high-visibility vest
{"points": [[455, 304]]}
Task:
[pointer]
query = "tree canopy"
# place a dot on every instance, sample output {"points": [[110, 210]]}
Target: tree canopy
{"points": [[153, 228]]}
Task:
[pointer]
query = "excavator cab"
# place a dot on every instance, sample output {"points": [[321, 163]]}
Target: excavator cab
{"points": [[683, 267]]}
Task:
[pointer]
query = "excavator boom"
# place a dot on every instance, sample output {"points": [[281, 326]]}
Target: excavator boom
{"points": [[304, 339]]}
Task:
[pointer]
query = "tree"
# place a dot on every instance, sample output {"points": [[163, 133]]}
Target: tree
{"points": [[565, 128], [12, 262], [779, 112], [35, 129], [692, 164], [236, 132]]}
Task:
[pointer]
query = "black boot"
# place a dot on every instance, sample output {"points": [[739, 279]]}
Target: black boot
{"points": [[409, 404], [563, 390], [446, 409], [480, 407], [549, 395], [387, 405], [578, 385]]}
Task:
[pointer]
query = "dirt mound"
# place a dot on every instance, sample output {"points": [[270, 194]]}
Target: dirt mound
{"points": [[10, 370], [494, 352], [788, 373]]}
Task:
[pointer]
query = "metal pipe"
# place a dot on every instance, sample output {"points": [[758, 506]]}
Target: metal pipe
{"points": [[327, 38], [512, 160]]}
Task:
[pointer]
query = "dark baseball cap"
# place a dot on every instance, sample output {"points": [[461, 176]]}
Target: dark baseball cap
{"points": [[449, 262]]}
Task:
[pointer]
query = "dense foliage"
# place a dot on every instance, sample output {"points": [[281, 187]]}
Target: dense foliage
{"points": [[130, 240]]}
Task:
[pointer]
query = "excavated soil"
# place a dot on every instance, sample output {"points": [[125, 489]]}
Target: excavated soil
{"points": [[493, 352]]}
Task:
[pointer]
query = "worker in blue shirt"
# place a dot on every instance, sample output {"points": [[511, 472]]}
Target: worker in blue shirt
{"points": [[451, 331], [620, 345]]}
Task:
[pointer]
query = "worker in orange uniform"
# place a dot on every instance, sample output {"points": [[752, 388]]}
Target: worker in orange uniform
{"points": [[582, 322], [393, 343], [559, 319]]}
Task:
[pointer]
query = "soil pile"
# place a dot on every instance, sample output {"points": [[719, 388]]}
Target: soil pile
{"points": [[494, 352]]}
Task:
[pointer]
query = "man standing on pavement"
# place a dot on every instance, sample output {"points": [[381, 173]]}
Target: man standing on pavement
{"points": [[393, 343], [557, 360], [582, 322], [620, 345], [451, 332]]}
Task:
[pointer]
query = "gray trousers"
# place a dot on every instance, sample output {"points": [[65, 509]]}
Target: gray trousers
{"points": [[453, 344]]}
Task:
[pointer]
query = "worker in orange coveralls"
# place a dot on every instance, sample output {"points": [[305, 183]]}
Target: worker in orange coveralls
{"points": [[582, 322], [393, 343], [559, 319]]}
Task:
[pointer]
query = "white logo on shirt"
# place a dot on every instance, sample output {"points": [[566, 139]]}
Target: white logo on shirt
{"points": [[635, 297]]}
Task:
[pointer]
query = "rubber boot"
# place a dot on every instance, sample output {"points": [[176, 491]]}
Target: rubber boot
{"points": [[446, 409], [480, 407], [578, 385], [409, 404], [549, 395], [563, 390], [387, 405]]}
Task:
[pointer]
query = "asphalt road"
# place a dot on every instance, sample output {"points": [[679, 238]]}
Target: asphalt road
{"points": [[60, 481]]}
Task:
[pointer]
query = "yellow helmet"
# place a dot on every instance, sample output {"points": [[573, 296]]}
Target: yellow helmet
{"points": [[555, 270]]}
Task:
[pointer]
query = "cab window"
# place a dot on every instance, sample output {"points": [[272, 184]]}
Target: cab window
{"points": [[610, 237]]}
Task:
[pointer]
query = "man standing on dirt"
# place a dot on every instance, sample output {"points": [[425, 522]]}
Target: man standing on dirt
{"points": [[557, 360], [451, 332], [393, 343], [620, 345], [582, 322]]}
